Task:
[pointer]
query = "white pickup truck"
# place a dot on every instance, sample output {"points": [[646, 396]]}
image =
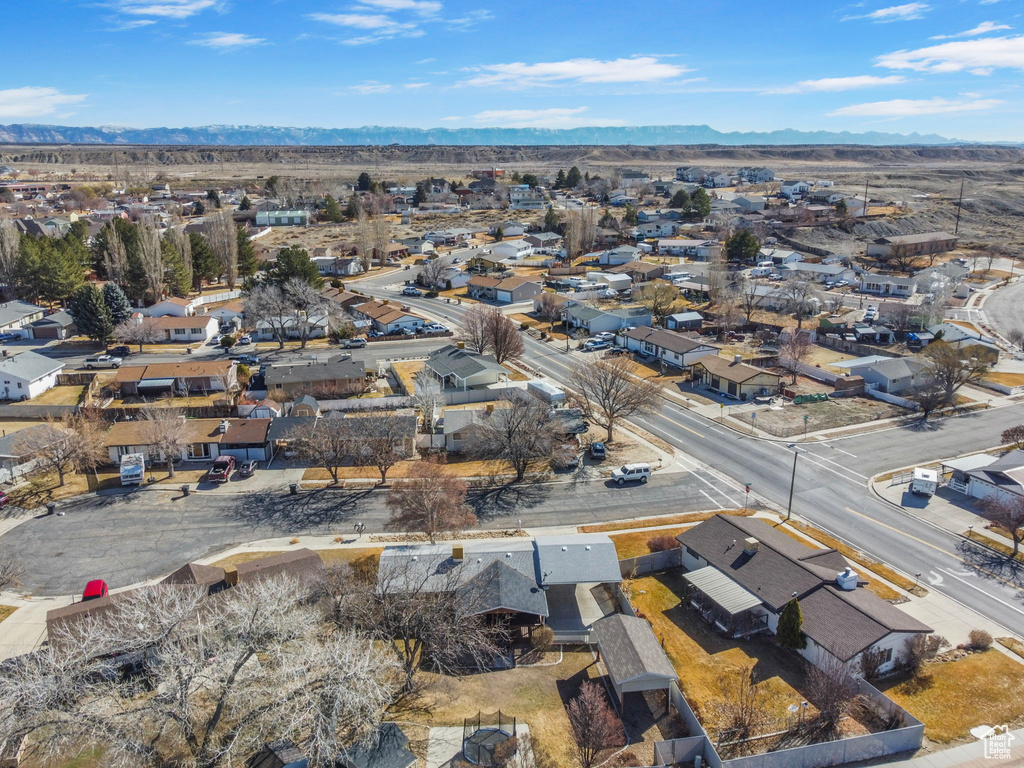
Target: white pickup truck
{"points": [[102, 361]]}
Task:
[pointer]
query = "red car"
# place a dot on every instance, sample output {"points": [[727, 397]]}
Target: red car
{"points": [[223, 466], [4, 501], [95, 589]]}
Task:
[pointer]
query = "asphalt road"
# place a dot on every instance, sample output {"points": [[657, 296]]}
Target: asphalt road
{"points": [[1005, 308]]}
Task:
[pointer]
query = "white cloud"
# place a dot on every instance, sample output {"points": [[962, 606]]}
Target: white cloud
{"points": [[982, 29], [122, 26], [228, 41], [167, 9], [415, 85], [27, 102], [977, 56], [425, 61], [520, 75], [422, 7], [380, 26], [371, 87], [836, 84], [558, 117], [905, 12], [915, 107]]}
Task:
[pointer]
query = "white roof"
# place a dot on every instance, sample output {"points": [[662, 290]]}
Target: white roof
{"points": [[967, 463], [857, 362], [725, 592]]}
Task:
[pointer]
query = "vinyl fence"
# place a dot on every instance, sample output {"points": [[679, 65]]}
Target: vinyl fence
{"points": [[656, 561], [853, 347], [885, 397], [213, 298]]}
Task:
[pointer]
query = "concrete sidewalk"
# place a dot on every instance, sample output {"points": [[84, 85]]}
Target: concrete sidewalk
{"points": [[973, 755]]}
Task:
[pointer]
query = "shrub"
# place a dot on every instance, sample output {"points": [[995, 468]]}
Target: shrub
{"points": [[228, 341], [662, 543], [922, 648], [336, 283], [626, 759], [870, 661], [543, 638], [524, 326], [980, 640]]}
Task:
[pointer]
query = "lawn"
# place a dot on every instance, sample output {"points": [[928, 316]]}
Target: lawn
{"points": [[406, 374], [634, 544], [468, 468], [65, 394], [13, 425], [1004, 378], [708, 663], [687, 517], [952, 697], [46, 487], [192, 400], [6, 610], [359, 557], [1015, 645], [998, 546]]}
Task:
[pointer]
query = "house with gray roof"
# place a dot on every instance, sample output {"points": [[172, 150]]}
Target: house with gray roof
{"points": [[338, 377], [888, 285], [964, 338], [985, 476], [742, 572], [458, 368], [16, 316], [59, 325], [19, 450], [599, 320], [822, 273], [630, 651], [668, 347], [894, 374], [27, 375]]}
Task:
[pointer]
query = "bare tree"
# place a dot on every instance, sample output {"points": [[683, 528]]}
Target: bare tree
{"points": [[1007, 513], [580, 231], [929, 397], [519, 431], [266, 305], [549, 308], [144, 331], [1014, 435], [378, 438], [10, 253], [595, 726], [798, 294], [364, 241], [610, 391], [834, 302], [152, 259], [474, 328], [115, 258], [901, 317], [1016, 337], [232, 672], [660, 297], [742, 710], [504, 339], [921, 648], [11, 570], [902, 257], [223, 238], [431, 501], [729, 311], [307, 308], [166, 432], [952, 368], [319, 444], [432, 274], [55, 449], [796, 345], [750, 297], [90, 431], [833, 691], [718, 276], [429, 399]]}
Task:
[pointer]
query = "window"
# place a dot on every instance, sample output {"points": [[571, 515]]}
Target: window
{"points": [[179, 331], [19, 385], [888, 656], [196, 331], [199, 451]]}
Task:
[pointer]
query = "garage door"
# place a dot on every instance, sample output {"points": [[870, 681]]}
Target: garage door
{"points": [[46, 332]]}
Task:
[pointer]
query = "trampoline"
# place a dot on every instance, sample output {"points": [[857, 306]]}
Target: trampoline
{"points": [[483, 735]]}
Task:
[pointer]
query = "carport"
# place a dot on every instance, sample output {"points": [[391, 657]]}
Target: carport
{"points": [[633, 656]]}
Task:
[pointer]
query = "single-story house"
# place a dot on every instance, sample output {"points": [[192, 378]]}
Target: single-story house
{"points": [[913, 245], [197, 328], [690, 321], [958, 336], [512, 249], [173, 307], [18, 450], [59, 325], [742, 572], [344, 299], [622, 254], [464, 369], [544, 242], [667, 346], [337, 266], [779, 256], [207, 439], [387, 318], [698, 249], [503, 290], [231, 313], [282, 218], [293, 326], [419, 246], [984, 476], [823, 273], [16, 316], [337, 377], [192, 376], [734, 377], [658, 228], [892, 375], [602, 321], [27, 375], [750, 203], [886, 285], [639, 271]]}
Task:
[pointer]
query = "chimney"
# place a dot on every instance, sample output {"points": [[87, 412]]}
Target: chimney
{"points": [[231, 576], [458, 553], [737, 359], [223, 427], [750, 545], [847, 579], [460, 344]]}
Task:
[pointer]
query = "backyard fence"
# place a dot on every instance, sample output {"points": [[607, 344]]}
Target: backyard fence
{"points": [[213, 298], [36, 411], [854, 348], [655, 561], [1004, 389], [885, 397]]}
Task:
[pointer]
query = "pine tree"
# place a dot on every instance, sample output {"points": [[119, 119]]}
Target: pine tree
{"points": [[551, 221], [630, 217], [332, 211], [246, 204], [560, 179], [364, 182], [743, 246], [680, 200], [353, 207], [420, 195], [198, 209], [60, 270], [700, 203], [574, 178], [789, 632], [205, 268], [499, 235], [294, 262], [91, 314], [248, 264], [214, 197], [177, 280], [118, 304]]}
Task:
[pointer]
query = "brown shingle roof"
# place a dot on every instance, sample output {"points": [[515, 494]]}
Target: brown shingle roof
{"points": [[511, 283], [670, 340], [300, 562], [247, 431], [189, 370], [198, 431], [194, 573], [480, 281], [731, 370]]}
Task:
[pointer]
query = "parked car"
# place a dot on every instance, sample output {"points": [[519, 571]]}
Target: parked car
{"points": [[94, 590], [598, 451], [4, 500], [410, 291], [593, 345], [9, 336], [841, 283], [618, 351], [605, 336], [122, 351], [247, 339], [357, 343], [631, 473], [222, 468], [248, 360], [248, 468], [102, 361]]}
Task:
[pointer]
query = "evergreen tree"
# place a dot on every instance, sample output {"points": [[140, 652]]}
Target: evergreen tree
{"points": [[198, 209], [117, 303], [499, 235], [573, 178], [60, 269], [364, 182], [743, 246], [789, 633], [353, 207], [630, 217], [91, 314], [271, 186], [515, 178], [294, 262], [332, 211], [700, 203], [246, 204], [420, 195], [177, 280], [205, 268], [551, 221], [680, 200], [560, 179], [530, 180], [26, 273], [607, 220], [842, 209], [214, 197], [80, 230], [248, 264]]}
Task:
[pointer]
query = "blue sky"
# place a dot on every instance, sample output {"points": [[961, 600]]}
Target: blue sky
{"points": [[954, 68]]}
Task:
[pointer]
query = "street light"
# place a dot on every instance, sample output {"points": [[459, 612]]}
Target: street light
{"points": [[797, 450]]}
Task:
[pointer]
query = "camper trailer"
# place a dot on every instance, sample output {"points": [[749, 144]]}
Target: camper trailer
{"points": [[133, 468]]}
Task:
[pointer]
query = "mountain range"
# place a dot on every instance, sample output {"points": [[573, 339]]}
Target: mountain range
{"points": [[260, 135]]}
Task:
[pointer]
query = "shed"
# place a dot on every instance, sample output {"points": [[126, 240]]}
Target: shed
{"points": [[632, 655]]}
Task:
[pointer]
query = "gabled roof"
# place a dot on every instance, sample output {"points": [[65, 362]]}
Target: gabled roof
{"points": [[194, 573], [300, 562], [577, 559], [169, 322], [462, 363], [13, 311], [20, 444], [311, 373], [387, 747], [670, 340], [29, 366], [501, 587], [630, 650], [731, 370], [194, 369], [895, 367]]}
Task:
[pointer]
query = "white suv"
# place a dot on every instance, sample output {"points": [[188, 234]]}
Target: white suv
{"points": [[630, 472]]}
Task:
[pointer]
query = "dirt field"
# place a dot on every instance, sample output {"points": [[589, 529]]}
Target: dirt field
{"points": [[839, 412]]}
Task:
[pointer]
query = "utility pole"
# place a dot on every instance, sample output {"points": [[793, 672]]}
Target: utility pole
{"points": [[865, 213], [959, 206]]}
